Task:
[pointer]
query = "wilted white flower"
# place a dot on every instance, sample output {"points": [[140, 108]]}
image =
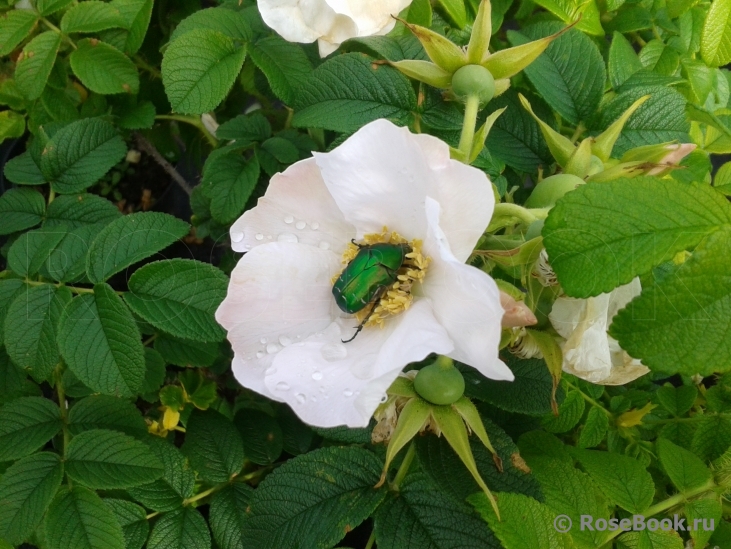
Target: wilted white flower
{"points": [[589, 352], [330, 22], [282, 320]]}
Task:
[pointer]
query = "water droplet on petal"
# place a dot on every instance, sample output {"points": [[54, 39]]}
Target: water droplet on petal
{"points": [[263, 340], [284, 340], [259, 236], [348, 393], [237, 237], [314, 399], [272, 348], [282, 386], [334, 351], [289, 219], [270, 371], [287, 237], [300, 225], [324, 245], [315, 225], [300, 398], [317, 376], [259, 354]]}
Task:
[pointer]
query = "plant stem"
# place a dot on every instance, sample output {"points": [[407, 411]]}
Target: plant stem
{"points": [[471, 108], [51, 196], [145, 66], [55, 29], [588, 398], [150, 149], [371, 540], [193, 121], [527, 216], [404, 468], [73, 289]]}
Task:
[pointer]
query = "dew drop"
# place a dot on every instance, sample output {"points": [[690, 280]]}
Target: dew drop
{"points": [[237, 237], [348, 393], [259, 354], [317, 376], [282, 386], [289, 219], [314, 399], [263, 341], [301, 398], [384, 398], [270, 371], [248, 246], [334, 351], [259, 236], [324, 245], [300, 225], [272, 348], [284, 340], [287, 237], [315, 225]]}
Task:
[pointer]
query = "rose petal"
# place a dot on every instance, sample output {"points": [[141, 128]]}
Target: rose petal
{"points": [[296, 207], [466, 302], [372, 17], [329, 383], [517, 313], [297, 20]]}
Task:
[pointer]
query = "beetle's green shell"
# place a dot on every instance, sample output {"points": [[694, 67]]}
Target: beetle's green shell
{"points": [[372, 269]]}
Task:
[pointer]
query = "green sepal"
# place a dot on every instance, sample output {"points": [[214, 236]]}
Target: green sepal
{"points": [[479, 141], [553, 356], [560, 146], [650, 153], [508, 288], [403, 387], [450, 423], [472, 418], [525, 254], [445, 54], [424, 71], [625, 169], [501, 86], [411, 420], [604, 142], [580, 162], [477, 49]]}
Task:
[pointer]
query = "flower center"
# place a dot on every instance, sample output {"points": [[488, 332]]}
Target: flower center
{"points": [[397, 297]]}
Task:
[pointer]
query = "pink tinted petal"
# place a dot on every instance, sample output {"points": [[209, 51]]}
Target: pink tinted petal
{"points": [[329, 383], [297, 207], [379, 177], [517, 313], [279, 294], [466, 302]]}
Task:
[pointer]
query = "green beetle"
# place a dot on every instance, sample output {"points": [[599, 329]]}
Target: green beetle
{"points": [[367, 276]]}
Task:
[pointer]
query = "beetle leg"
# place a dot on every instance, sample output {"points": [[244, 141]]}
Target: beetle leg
{"points": [[376, 299], [352, 240]]}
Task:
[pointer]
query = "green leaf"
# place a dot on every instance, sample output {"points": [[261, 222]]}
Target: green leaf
{"points": [[423, 516], [660, 58], [15, 27], [569, 414], [233, 24], [213, 446], [716, 35], [12, 379], [184, 352], [650, 540], [682, 323], [661, 118], [35, 63], [677, 400], [335, 493], [683, 467], [9, 290], [246, 128], [570, 11], [623, 61], [703, 514], [133, 520], [21, 209], [47, 7], [26, 490], [154, 374], [103, 459], [81, 209], [79, 154], [139, 117], [227, 515], [26, 424], [199, 69], [711, 438], [179, 296], [23, 170], [348, 91], [100, 342], [629, 226], [67, 262], [176, 484], [29, 253], [31, 327], [137, 14], [284, 64], [106, 412], [12, 125], [623, 480], [261, 434], [182, 529], [524, 522], [130, 239], [455, 11], [595, 428], [103, 68], [79, 519], [569, 73], [91, 16], [529, 393], [229, 181], [393, 48]]}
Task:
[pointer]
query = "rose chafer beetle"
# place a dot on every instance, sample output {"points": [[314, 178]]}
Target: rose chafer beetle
{"points": [[368, 275]]}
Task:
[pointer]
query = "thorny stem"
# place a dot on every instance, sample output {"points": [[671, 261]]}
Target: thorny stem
{"points": [[404, 467], [193, 121], [471, 108]]}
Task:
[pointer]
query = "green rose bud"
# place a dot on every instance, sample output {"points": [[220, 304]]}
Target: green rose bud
{"points": [[473, 80]]}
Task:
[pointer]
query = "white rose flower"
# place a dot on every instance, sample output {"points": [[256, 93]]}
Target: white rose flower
{"points": [[589, 352], [330, 22], [282, 320]]}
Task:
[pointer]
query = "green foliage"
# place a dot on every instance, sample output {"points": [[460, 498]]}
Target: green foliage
{"points": [[213, 446], [103, 68], [26, 424]]}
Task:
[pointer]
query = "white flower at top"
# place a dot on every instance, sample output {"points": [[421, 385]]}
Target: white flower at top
{"points": [[330, 22], [589, 352], [282, 320]]}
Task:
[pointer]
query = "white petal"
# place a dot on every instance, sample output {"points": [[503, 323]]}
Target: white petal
{"points": [[297, 20], [329, 383], [371, 17], [279, 294], [380, 177], [466, 302], [296, 207]]}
